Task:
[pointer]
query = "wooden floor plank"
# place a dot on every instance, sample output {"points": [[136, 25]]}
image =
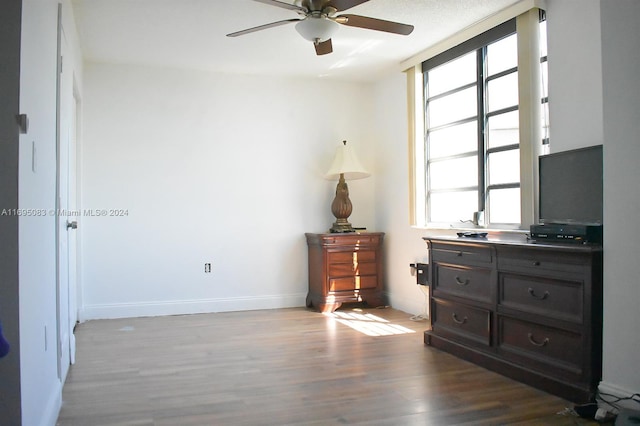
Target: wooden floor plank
{"points": [[286, 367]]}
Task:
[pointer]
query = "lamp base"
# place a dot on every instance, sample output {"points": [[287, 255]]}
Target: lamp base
{"points": [[341, 208], [341, 227]]}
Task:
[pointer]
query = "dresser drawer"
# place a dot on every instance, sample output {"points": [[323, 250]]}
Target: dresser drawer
{"points": [[351, 269], [461, 254], [550, 298], [352, 257], [353, 283], [542, 262], [554, 351], [459, 321], [468, 282], [351, 240]]}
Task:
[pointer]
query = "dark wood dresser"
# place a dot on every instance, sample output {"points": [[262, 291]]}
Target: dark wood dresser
{"points": [[344, 268], [530, 311]]}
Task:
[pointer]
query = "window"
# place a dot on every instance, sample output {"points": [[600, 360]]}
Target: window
{"points": [[472, 129]]}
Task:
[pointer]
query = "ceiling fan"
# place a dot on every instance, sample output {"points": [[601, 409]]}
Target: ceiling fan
{"points": [[318, 22]]}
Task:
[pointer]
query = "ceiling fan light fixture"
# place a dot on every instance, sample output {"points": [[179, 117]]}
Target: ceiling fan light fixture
{"points": [[316, 29]]}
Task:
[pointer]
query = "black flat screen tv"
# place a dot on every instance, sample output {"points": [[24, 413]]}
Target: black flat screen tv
{"points": [[571, 186]]}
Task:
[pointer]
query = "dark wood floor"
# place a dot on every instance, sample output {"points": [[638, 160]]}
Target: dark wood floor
{"points": [[286, 367]]}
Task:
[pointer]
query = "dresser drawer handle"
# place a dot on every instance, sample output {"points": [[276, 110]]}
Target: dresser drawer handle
{"points": [[536, 263], [459, 254], [458, 321], [532, 293], [534, 343], [460, 282]]}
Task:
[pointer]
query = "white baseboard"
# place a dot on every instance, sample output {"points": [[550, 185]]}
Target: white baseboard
{"points": [[50, 413], [183, 307], [618, 392]]}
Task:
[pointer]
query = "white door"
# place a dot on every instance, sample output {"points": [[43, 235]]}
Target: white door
{"points": [[72, 234], [68, 215]]}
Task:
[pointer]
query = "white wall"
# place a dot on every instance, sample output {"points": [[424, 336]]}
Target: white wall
{"points": [[593, 93], [575, 73], [621, 62], [215, 168], [403, 244], [41, 388]]}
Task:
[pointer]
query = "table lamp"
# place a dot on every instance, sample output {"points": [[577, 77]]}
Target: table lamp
{"points": [[345, 166]]}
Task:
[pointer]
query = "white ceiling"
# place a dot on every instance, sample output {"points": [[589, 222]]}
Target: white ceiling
{"points": [[191, 34]]}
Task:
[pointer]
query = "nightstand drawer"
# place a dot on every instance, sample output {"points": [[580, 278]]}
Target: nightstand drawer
{"points": [[352, 257], [460, 321], [354, 240], [550, 298], [548, 349], [351, 269], [353, 283], [462, 281]]}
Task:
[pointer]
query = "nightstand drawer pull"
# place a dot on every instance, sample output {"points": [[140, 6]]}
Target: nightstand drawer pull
{"points": [[536, 263], [458, 321], [532, 293], [460, 282], [533, 342]]}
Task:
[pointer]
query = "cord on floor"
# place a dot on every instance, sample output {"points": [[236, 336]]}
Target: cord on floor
{"points": [[423, 316]]}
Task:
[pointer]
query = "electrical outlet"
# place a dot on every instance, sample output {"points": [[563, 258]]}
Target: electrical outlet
{"points": [[207, 268]]}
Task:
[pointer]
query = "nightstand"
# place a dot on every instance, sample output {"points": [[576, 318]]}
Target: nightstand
{"points": [[344, 268]]}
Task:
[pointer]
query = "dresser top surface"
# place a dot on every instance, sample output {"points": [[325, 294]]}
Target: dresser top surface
{"points": [[343, 234], [494, 241]]}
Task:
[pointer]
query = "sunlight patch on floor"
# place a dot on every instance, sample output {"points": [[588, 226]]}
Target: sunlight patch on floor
{"points": [[368, 324]]}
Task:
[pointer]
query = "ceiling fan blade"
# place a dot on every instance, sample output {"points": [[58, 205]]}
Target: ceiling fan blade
{"points": [[324, 47], [375, 24], [263, 27], [283, 5], [341, 5]]}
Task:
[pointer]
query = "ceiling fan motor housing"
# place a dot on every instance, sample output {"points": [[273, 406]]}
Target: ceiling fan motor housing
{"points": [[317, 29]]}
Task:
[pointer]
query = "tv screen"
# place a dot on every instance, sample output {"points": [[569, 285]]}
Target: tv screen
{"points": [[571, 186]]}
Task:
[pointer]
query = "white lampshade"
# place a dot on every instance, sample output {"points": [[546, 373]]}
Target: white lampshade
{"points": [[317, 29], [346, 162]]}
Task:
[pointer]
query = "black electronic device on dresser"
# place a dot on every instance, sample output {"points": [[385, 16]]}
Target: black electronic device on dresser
{"points": [[567, 233], [571, 197]]}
